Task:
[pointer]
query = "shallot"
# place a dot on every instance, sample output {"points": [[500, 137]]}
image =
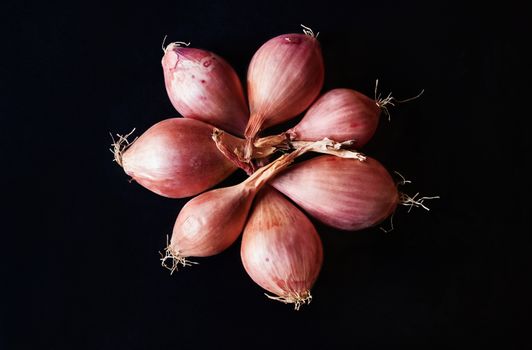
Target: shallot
{"points": [[284, 77], [281, 250], [175, 158], [202, 85], [341, 115], [342, 193]]}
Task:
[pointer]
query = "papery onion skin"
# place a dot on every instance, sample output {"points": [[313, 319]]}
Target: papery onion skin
{"points": [[340, 115], [211, 222], [176, 158], [284, 77], [343, 193], [281, 250], [202, 85]]}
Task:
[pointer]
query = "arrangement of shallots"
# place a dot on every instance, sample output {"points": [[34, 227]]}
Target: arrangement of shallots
{"points": [[220, 131]]}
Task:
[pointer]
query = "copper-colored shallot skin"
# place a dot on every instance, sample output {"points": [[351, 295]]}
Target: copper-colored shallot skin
{"points": [[347, 194], [176, 158], [202, 85], [281, 250], [209, 223], [284, 77], [340, 115]]}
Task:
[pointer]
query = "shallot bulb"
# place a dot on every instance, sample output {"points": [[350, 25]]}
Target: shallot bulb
{"points": [[343, 193], [209, 223], [202, 85], [346, 116], [341, 115], [284, 77], [175, 158], [281, 250]]}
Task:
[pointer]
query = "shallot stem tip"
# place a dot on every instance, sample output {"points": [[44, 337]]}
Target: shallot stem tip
{"points": [[308, 31], [178, 43]]}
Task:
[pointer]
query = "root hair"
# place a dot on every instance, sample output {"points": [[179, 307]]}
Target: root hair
{"points": [[120, 145], [295, 298], [388, 230], [403, 181], [309, 31], [389, 100], [162, 44], [178, 43], [171, 259], [414, 201]]}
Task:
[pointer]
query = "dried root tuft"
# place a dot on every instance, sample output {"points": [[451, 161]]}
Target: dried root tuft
{"points": [[406, 200], [309, 31], [171, 259], [178, 43], [295, 298], [383, 102], [119, 146], [414, 201]]}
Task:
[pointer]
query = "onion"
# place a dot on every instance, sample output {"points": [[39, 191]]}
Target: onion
{"points": [[343, 193], [341, 115], [281, 250], [175, 158], [209, 223], [284, 77], [202, 85]]}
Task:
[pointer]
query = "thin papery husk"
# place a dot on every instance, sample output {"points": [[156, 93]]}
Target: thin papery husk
{"points": [[343, 193], [281, 250], [264, 148], [202, 85], [341, 115], [175, 158], [284, 77]]}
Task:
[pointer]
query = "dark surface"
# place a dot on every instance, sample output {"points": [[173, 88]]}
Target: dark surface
{"points": [[79, 243]]}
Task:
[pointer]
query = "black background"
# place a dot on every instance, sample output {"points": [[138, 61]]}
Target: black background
{"points": [[79, 242]]}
